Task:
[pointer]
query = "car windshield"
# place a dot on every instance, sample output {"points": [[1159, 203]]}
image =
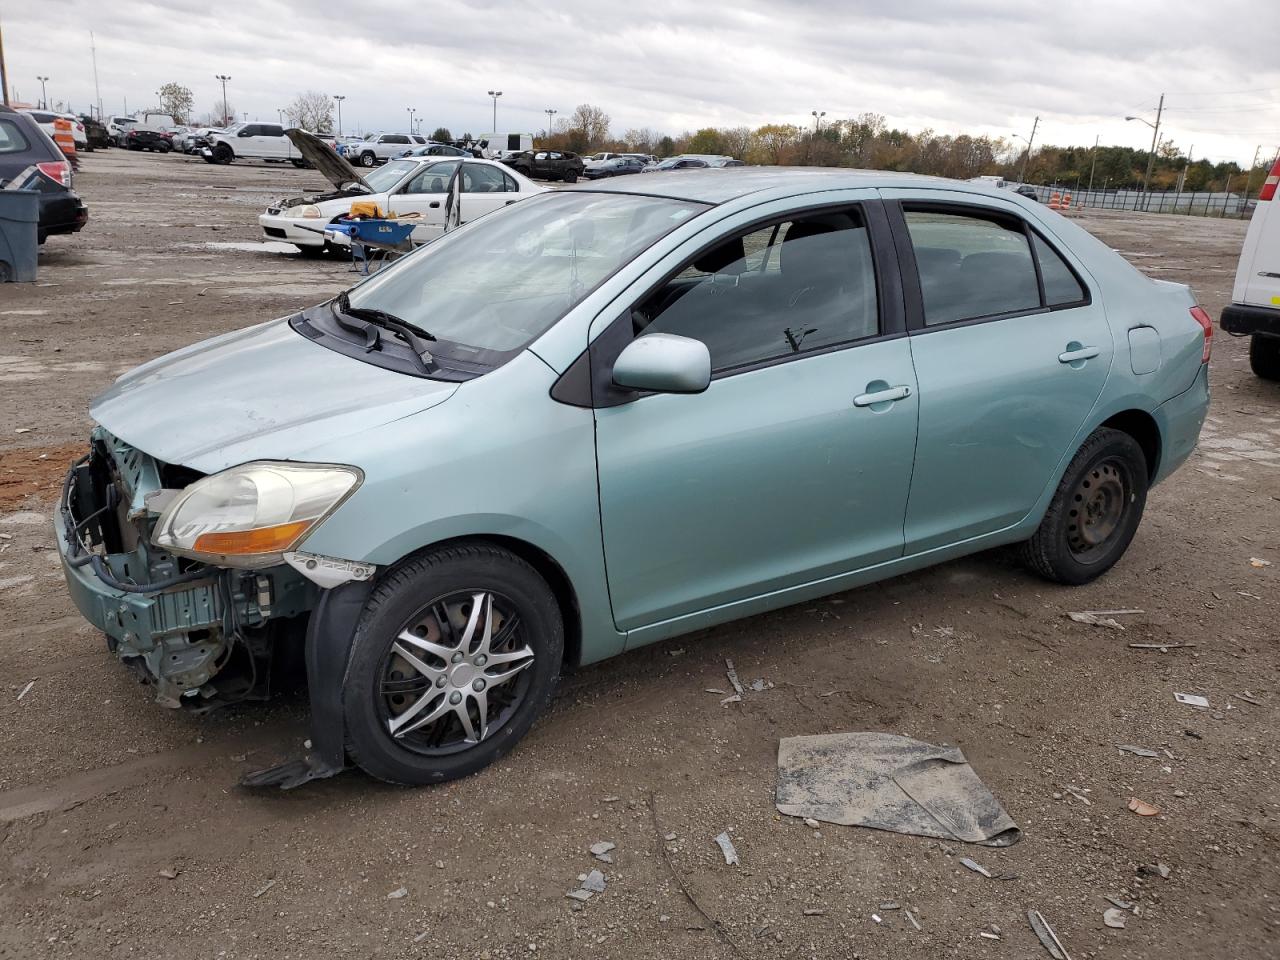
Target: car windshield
{"points": [[492, 288], [389, 174]]}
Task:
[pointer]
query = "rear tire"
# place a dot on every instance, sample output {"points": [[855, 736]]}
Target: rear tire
{"points": [[571, 176], [1094, 513], [381, 690], [1264, 356]]}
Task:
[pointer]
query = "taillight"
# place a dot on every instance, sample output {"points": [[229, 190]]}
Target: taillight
{"points": [[1269, 184], [1206, 324], [57, 170]]}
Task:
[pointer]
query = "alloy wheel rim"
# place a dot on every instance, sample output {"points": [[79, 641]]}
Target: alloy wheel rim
{"points": [[455, 674], [1097, 510]]}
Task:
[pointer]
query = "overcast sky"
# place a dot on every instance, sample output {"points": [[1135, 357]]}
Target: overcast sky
{"points": [[977, 66]]}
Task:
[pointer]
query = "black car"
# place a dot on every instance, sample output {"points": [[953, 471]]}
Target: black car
{"points": [[547, 164], [28, 155], [96, 131], [1029, 192], [141, 138], [614, 167]]}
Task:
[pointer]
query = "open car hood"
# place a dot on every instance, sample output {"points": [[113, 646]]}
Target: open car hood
{"points": [[324, 158]]}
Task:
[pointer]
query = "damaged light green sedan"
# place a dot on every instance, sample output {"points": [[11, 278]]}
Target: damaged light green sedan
{"points": [[604, 417]]}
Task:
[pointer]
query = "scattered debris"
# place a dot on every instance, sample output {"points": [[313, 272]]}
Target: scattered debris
{"points": [[814, 912], [733, 698], [1246, 593], [877, 918], [1246, 696], [1118, 903], [1162, 647], [1193, 734], [23, 430], [759, 685], [26, 689], [890, 905], [1114, 917], [169, 873], [1191, 699], [668, 837], [399, 893], [594, 882], [1136, 751], [1093, 620], [1142, 808], [912, 917], [610, 799], [582, 895], [732, 674], [601, 851], [975, 867], [727, 848], [1160, 870], [264, 888], [1046, 935], [988, 935], [1079, 795], [422, 936], [889, 782], [1258, 563], [715, 690], [812, 823]]}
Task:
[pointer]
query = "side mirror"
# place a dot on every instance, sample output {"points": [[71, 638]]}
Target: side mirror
{"points": [[244, 133], [664, 363]]}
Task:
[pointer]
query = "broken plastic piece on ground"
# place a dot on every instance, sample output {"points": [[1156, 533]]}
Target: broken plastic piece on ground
{"points": [[601, 851], [975, 867], [1093, 620], [732, 674], [1191, 699], [1258, 563], [1142, 808], [727, 848], [1046, 935], [912, 917], [1136, 751], [1114, 917], [26, 689], [399, 893], [889, 782]]}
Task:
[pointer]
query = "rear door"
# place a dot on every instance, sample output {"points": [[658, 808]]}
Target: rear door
{"points": [[1258, 275], [1011, 350], [271, 141]]}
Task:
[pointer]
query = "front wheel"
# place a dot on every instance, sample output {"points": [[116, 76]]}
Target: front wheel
{"points": [[368, 159], [1094, 512], [222, 154], [454, 658], [1264, 356]]}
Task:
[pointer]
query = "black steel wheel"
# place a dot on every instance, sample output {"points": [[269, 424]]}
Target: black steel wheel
{"points": [[454, 658], [1095, 511]]}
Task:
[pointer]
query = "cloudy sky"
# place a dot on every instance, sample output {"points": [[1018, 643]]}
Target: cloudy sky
{"points": [[977, 66]]}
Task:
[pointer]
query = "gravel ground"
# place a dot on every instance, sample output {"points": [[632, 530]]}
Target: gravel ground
{"points": [[122, 833]]}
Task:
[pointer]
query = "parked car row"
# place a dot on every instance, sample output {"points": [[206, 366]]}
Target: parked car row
{"points": [[30, 160]]}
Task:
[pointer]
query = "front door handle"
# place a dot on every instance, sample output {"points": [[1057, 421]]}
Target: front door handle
{"points": [[1076, 353], [434, 204], [883, 395]]}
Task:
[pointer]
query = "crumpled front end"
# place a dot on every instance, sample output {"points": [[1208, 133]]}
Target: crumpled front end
{"points": [[204, 636]]}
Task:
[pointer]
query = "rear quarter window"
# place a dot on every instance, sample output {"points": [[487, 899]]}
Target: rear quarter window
{"points": [[12, 139], [1061, 286]]}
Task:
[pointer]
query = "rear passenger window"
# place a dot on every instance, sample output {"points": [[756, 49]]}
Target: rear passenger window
{"points": [[971, 267], [11, 138], [1060, 284], [784, 289]]}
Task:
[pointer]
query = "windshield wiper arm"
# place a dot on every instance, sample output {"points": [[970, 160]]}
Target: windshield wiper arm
{"points": [[381, 317], [411, 333]]}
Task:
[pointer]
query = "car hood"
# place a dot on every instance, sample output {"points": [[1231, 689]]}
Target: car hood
{"points": [[266, 392], [324, 158]]}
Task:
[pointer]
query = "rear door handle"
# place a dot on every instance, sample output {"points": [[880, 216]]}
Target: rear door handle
{"points": [[888, 395], [1080, 353]]}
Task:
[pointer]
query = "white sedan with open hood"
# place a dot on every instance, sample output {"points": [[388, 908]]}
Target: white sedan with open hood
{"points": [[406, 186]]}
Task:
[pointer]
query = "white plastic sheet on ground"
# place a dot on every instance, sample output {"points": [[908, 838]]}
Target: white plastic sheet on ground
{"points": [[889, 782]]}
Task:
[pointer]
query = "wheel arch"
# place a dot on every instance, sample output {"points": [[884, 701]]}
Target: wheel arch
{"points": [[547, 567], [1143, 428]]}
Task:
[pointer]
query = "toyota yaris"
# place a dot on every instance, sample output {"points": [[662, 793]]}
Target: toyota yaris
{"points": [[604, 417]]}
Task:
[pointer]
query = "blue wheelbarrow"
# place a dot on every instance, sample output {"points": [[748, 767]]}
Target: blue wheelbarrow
{"points": [[375, 240]]}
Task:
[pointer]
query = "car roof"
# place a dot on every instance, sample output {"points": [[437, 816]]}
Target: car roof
{"points": [[722, 184]]}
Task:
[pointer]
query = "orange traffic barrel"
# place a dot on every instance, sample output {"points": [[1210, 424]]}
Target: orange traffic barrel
{"points": [[63, 137]]}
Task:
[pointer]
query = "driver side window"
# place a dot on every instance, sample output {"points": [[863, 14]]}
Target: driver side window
{"points": [[784, 289], [434, 178]]}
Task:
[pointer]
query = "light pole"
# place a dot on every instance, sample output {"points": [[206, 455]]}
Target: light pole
{"points": [[1022, 173], [1182, 180], [44, 97], [226, 117], [495, 94], [1155, 132], [280, 116], [411, 113], [550, 113], [339, 97], [817, 119], [1248, 181], [1093, 166]]}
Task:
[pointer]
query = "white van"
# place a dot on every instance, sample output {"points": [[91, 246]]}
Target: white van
{"points": [[493, 146], [1255, 300]]}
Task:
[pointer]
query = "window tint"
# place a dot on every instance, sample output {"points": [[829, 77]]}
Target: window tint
{"points": [[477, 178], [396, 138], [971, 267], [1060, 284], [12, 139], [270, 130], [785, 289], [510, 181], [434, 178]]}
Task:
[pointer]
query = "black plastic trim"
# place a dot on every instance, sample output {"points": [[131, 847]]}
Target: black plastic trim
{"points": [[1240, 319]]}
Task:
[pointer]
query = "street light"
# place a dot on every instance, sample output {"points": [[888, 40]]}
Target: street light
{"points": [[44, 97], [495, 94], [1155, 132], [550, 113], [226, 118], [1022, 173], [411, 111], [339, 97], [817, 119]]}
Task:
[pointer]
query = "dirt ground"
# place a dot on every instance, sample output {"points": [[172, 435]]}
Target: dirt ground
{"points": [[122, 833]]}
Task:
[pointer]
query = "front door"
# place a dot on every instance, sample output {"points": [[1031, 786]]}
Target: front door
{"points": [[426, 194], [795, 464], [1011, 350]]}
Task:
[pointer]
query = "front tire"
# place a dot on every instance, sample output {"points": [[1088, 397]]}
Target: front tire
{"points": [[1094, 513], [223, 154], [1264, 356], [310, 252], [454, 658], [368, 159]]}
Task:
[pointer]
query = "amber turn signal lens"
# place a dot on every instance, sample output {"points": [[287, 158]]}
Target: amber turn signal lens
{"points": [[264, 540]]}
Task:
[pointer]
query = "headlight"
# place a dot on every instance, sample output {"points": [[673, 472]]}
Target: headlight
{"points": [[310, 211], [250, 515]]}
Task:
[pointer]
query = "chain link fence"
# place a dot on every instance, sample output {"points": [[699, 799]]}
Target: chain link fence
{"points": [[1195, 204]]}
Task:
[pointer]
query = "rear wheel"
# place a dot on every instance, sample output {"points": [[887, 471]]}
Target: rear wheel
{"points": [[571, 176], [368, 159], [455, 656], [1094, 512], [1264, 356]]}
